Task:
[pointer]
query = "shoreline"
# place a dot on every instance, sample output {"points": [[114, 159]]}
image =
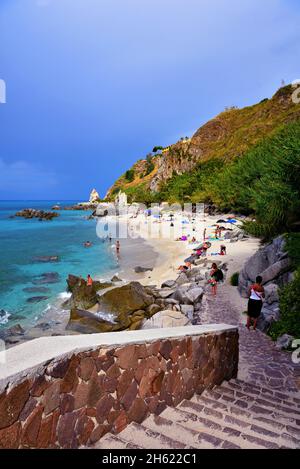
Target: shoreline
{"points": [[163, 256]]}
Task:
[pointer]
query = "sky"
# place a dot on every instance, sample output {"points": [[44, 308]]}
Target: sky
{"points": [[94, 85]]}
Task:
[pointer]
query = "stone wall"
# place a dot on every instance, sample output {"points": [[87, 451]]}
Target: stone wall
{"points": [[73, 400]]}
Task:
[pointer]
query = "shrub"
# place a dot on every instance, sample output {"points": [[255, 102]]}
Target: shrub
{"points": [[289, 299], [129, 175], [234, 281]]}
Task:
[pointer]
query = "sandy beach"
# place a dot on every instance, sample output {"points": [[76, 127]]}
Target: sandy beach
{"points": [[152, 244]]}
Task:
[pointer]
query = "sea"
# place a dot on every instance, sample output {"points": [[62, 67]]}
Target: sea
{"points": [[28, 286]]}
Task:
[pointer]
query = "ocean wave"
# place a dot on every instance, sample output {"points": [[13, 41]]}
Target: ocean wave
{"points": [[4, 316], [109, 317], [65, 295]]}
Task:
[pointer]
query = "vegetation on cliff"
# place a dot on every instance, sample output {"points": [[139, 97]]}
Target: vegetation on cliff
{"points": [[222, 141], [289, 296]]}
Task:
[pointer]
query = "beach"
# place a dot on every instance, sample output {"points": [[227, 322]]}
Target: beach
{"points": [[151, 246]]}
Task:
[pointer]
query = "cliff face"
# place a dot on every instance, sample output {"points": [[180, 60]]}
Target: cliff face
{"points": [[226, 137]]}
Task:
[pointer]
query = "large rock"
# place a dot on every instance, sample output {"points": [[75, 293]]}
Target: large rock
{"points": [[271, 262], [125, 299], [40, 214], [195, 294], [94, 197], [188, 294], [168, 284], [271, 293], [275, 270], [165, 319], [85, 322], [83, 296], [188, 311], [269, 314], [284, 342]]}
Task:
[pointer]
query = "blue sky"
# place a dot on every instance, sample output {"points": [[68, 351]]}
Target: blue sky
{"points": [[94, 85]]}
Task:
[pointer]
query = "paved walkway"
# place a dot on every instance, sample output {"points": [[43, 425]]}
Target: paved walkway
{"points": [[260, 363]]}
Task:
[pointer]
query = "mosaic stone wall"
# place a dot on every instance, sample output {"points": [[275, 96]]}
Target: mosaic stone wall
{"points": [[74, 400]]}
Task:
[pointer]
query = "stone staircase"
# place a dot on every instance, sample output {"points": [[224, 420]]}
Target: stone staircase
{"points": [[235, 415]]}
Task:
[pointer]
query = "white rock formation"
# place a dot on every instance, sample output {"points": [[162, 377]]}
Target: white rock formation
{"points": [[94, 196]]}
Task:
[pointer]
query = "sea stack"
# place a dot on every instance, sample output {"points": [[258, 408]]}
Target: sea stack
{"points": [[94, 197]]}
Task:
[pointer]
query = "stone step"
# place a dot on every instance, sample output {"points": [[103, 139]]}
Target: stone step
{"points": [[291, 399], [262, 400], [243, 421], [246, 434], [149, 439], [171, 429], [289, 428], [110, 441], [212, 433], [242, 407]]}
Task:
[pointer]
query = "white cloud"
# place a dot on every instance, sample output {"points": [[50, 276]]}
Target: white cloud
{"points": [[21, 176]]}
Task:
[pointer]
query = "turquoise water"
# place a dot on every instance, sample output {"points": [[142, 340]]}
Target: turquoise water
{"points": [[21, 241]]}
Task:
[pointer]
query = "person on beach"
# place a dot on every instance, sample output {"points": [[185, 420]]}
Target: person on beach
{"points": [[216, 276], [118, 246], [223, 250], [89, 281], [217, 230], [255, 303], [204, 234]]}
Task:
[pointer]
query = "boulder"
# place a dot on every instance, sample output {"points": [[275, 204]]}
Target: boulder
{"points": [[125, 299], [29, 213], [104, 209], [271, 293], [152, 309], [14, 330], [141, 270], [169, 284], [46, 278], [271, 262], [165, 319], [269, 314], [165, 292], [83, 296], [182, 278], [188, 311], [115, 278], [195, 294], [284, 342], [46, 259], [275, 270], [37, 299], [85, 322]]}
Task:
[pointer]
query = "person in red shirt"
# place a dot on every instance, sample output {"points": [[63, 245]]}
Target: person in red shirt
{"points": [[89, 281]]}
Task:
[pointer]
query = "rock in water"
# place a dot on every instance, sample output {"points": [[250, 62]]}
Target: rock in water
{"points": [[36, 290], [46, 259], [40, 214], [48, 277], [15, 330], [37, 299]]}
